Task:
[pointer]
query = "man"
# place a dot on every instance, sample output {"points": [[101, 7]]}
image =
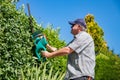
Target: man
{"points": [[80, 51]]}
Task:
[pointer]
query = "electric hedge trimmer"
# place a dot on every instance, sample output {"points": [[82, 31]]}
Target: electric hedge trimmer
{"points": [[39, 39]]}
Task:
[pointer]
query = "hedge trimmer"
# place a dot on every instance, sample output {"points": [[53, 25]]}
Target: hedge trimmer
{"points": [[39, 39]]}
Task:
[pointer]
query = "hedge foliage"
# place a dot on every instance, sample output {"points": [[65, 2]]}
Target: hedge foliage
{"points": [[15, 42]]}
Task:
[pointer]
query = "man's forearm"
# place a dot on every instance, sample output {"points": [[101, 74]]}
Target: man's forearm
{"points": [[61, 52], [51, 48]]}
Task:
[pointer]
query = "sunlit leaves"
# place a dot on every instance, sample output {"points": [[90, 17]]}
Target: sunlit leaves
{"points": [[96, 32], [107, 63]]}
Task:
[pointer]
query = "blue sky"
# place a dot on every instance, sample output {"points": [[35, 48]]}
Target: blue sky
{"points": [[59, 12]]}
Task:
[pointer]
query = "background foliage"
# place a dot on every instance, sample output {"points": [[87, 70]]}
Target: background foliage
{"points": [[96, 32], [16, 56], [107, 63]]}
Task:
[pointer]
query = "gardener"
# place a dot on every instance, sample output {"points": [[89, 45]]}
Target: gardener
{"points": [[80, 51]]}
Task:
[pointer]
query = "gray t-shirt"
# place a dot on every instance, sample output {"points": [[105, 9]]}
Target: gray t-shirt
{"points": [[82, 61]]}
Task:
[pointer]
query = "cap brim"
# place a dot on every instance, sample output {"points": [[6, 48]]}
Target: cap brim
{"points": [[71, 22]]}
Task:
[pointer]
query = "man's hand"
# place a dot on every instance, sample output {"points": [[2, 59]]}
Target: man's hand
{"points": [[46, 54]]}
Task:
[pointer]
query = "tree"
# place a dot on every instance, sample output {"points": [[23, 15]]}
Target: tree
{"points": [[107, 63], [96, 32]]}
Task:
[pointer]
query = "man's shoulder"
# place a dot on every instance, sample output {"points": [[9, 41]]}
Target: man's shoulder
{"points": [[87, 34], [84, 34]]}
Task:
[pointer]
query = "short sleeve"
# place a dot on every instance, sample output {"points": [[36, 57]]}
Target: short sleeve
{"points": [[78, 44]]}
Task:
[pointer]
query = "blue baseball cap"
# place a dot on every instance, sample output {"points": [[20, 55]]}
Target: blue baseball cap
{"points": [[78, 21]]}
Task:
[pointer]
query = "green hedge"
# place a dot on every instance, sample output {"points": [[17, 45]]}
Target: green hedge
{"points": [[16, 45]]}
